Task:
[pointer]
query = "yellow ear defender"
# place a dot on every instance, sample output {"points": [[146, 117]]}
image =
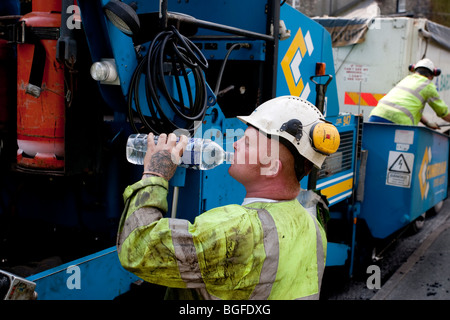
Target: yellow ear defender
{"points": [[325, 138]]}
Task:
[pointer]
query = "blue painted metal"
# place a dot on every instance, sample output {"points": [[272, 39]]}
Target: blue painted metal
{"points": [[235, 13], [407, 169], [356, 210], [217, 49], [95, 277], [100, 46], [301, 69], [337, 254]]}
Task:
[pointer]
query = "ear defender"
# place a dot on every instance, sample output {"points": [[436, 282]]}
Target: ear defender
{"points": [[325, 138], [436, 72]]}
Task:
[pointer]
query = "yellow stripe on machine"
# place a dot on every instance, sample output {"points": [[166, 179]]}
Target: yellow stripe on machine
{"points": [[338, 188]]}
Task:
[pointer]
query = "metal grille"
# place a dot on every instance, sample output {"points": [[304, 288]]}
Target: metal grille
{"points": [[341, 160]]}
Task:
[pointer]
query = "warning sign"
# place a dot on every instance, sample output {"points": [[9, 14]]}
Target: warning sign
{"points": [[400, 165], [356, 72], [399, 169]]}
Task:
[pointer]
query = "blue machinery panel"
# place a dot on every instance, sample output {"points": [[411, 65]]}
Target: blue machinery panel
{"points": [[308, 44], [97, 276], [337, 180], [337, 176], [407, 168]]}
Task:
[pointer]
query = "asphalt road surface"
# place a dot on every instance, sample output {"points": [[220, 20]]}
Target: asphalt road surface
{"points": [[337, 285]]}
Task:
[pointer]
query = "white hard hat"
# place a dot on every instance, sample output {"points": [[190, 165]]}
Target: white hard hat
{"points": [[300, 123], [425, 63], [428, 64]]}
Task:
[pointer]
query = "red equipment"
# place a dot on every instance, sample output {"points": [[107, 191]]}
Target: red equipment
{"points": [[40, 89]]}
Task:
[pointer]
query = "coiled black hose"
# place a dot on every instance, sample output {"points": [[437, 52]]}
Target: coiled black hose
{"points": [[169, 53]]}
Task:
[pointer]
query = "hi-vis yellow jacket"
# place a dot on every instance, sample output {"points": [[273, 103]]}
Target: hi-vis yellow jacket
{"points": [[259, 251], [404, 104]]}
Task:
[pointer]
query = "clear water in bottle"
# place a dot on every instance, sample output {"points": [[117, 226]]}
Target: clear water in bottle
{"points": [[136, 148], [200, 154]]}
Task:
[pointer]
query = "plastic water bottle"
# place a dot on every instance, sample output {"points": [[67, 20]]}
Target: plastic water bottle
{"points": [[200, 154]]}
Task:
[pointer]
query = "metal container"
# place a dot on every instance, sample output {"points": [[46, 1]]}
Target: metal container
{"points": [[406, 175]]}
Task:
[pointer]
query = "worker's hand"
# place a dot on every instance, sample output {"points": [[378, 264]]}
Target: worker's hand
{"points": [[432, 125], [162, 158]]}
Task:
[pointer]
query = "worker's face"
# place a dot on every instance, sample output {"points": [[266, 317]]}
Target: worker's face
{"points": [[254, 155]]}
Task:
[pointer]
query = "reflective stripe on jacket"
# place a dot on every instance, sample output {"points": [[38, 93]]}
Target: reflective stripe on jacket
{"points": [[404, 104], [259, 251]]}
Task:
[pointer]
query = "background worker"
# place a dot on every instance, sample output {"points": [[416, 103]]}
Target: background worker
{"points": [[269, 247], [404, 103]]}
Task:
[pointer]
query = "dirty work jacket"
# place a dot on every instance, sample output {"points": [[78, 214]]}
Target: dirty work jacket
{"points": [[404, 104], [259, 251]]}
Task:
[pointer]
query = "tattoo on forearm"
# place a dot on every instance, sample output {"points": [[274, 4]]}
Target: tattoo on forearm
{"points": [[161, 162]]}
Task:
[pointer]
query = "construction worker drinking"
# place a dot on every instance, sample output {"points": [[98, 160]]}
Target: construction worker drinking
{"points": [[268, 247]]}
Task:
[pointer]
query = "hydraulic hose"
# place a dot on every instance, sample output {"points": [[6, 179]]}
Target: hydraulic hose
{"points": [[170, 53]]}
